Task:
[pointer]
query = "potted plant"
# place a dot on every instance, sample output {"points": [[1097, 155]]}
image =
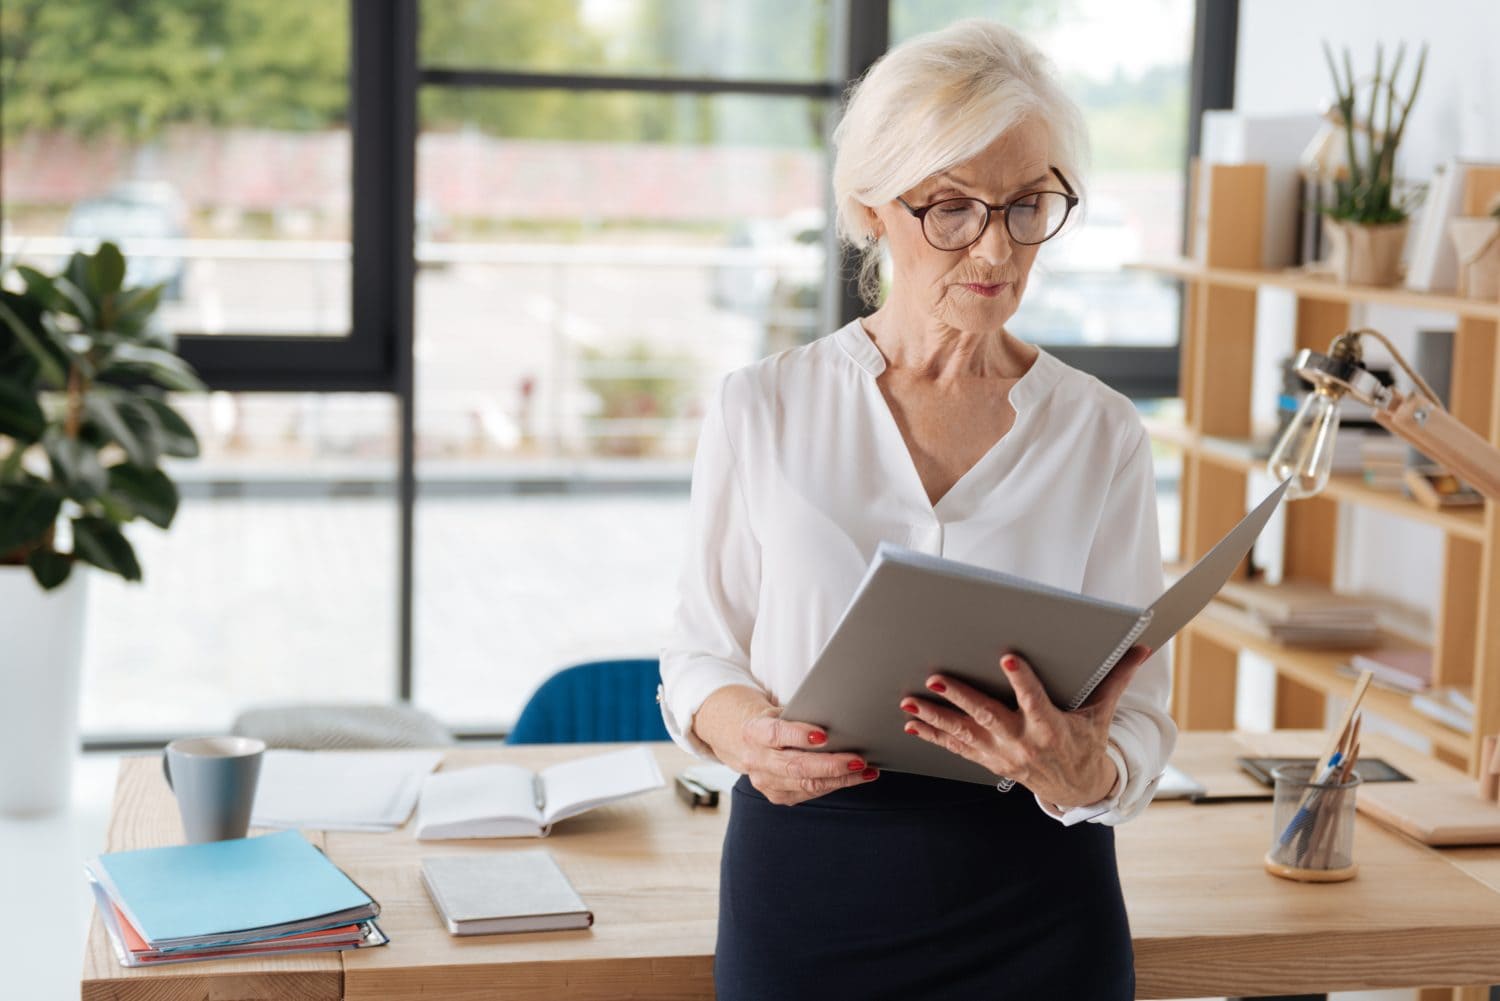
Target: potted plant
{"points": [[84, 425], [1367, 222]]}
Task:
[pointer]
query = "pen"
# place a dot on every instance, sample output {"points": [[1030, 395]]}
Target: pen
{"points": [[1300, 818]]}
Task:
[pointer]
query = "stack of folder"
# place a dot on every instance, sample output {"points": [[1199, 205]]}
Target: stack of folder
{"points": [[258, 896]]}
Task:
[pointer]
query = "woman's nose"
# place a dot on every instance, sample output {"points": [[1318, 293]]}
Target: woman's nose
{"points": [[994, 244]]}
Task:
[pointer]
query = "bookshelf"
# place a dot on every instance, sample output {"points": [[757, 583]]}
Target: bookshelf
{"points": [[1215, 437]]}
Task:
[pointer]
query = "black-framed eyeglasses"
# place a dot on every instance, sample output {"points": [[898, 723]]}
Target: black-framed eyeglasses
{"points": [[1030, 218]]}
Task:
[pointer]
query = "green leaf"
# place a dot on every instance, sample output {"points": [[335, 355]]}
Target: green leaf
{"points": [[75, 464], [142, 420], [162, 367], [21, 415], [39, 287], [49, 567], [36, 345], [149, 492], [135, 305], [100, 409], [177, 437], [70, 294], [27, 511], [106, 269], [100, 542]]}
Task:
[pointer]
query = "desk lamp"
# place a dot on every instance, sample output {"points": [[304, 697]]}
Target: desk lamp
{"points": [[1305, 450]]}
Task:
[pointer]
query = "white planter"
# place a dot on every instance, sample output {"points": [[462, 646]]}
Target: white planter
{"points": [[41, 659]]}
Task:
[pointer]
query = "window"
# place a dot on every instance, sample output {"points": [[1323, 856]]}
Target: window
{"points": [[463, 273], [596, 255]]}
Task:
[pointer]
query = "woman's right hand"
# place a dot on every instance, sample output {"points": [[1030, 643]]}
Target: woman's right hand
{"points": [[747, 733]]}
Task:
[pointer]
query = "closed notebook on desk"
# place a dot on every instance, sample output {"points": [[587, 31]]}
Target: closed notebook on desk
{"points": [[503, 892], [914, 614]]}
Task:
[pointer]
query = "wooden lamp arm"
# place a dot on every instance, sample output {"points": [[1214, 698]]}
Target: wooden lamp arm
{"points": [[1443, 438]]}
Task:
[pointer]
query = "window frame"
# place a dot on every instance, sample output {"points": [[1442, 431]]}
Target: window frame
{"points": [[377, 354]]}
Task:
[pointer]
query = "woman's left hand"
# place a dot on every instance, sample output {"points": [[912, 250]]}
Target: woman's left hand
{"points": [[1058, 755]]}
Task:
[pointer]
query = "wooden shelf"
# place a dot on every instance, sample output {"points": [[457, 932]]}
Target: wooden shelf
{"points": [[1318, 670], [1240, 454], [1314, 287]]}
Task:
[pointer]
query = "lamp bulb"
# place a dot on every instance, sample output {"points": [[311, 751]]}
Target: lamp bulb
{"points": [[1305, 451]]}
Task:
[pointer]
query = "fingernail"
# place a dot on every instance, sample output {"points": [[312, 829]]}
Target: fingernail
{"points": [[817, 738], [868, 774], [912, 730], [937, 686], [856, 765], [910, 707], [1009, 663]]}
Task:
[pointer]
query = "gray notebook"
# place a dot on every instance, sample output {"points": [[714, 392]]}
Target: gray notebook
{"points": [[914, 614], [503, 892]]}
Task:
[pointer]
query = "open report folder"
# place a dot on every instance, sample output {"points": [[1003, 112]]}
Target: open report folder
{"points": [[914, 614]]}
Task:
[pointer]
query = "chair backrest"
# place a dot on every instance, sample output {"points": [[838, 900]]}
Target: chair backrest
{"points": [[605, 700]]}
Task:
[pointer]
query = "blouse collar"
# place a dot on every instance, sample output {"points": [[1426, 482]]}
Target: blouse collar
{"points": [[1032, 386]]}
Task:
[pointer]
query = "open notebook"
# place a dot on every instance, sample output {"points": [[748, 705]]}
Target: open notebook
{"points": [[508, 801], [914, 614]]}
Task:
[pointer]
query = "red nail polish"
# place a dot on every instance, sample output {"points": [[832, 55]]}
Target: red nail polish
{"points": [[909, 707], [938, 686], [912, 730], [869, 773], [1010, 663], [856, 765], [817, 738]]}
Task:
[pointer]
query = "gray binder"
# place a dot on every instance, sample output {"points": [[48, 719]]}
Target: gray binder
{"points": [[914, 614]]}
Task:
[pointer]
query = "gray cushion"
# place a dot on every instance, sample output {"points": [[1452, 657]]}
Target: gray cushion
{"points": [[323, 727]]}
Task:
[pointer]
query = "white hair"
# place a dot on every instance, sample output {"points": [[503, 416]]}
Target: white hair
{"points": [[930, 104]]}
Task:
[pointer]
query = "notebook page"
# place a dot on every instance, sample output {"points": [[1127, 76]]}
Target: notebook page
{"points": [[575, 786], [485, 792]]}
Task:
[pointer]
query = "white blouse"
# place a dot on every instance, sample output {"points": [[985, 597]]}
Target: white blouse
{"points": [[801, 472]]}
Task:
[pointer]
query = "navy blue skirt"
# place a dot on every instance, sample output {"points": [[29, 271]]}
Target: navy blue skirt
{"points": [[912, 887]]}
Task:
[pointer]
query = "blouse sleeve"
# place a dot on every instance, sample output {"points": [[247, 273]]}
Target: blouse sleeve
{"points": [[1125, 565], [709, 644]]}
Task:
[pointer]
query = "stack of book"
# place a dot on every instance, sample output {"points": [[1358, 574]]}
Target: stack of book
{"points": [[1298, 613], [267, 895], [1400, 670]]}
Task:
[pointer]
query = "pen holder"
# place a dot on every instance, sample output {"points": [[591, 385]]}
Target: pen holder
{"points": [[1312, 828]]}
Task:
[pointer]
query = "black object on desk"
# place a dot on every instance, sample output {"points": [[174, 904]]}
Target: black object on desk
{"points": [[1369, 769]]}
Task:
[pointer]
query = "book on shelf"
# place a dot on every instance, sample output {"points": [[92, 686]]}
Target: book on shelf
{"points": [[271, 894], [1403, 670], [509, 801], [503, 892], [1433, 262], [1437, 489], [1298, 613], [1452, 707]]}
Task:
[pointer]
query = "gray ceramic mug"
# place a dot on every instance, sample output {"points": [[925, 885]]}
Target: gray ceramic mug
{"points": [[214, 781]]}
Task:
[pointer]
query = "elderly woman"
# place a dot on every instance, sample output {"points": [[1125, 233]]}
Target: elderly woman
{"points": [[928, 424]]}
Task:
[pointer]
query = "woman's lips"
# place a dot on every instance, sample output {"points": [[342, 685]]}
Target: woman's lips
{"points": [[988, 291]]}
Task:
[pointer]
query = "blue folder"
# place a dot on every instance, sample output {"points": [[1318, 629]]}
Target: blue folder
{"points": [[242, 889]]}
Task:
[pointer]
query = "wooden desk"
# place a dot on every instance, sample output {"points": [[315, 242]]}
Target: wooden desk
{"points": [[1206, 918]]}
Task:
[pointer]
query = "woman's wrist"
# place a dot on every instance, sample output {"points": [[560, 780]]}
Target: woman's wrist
{"points": [[720, 720]]}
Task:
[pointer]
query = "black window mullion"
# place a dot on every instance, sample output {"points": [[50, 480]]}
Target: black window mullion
{"points": [[366, 358]]}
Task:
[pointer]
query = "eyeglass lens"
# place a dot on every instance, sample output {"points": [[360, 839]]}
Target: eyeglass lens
{"points": [[957, 222]]}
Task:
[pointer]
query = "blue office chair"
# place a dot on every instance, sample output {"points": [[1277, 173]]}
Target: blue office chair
{"points": [[604, 700]]}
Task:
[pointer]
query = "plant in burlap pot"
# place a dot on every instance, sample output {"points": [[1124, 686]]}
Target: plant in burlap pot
{"points": [[1476, 241], [84, 424], [1365, 227]]}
